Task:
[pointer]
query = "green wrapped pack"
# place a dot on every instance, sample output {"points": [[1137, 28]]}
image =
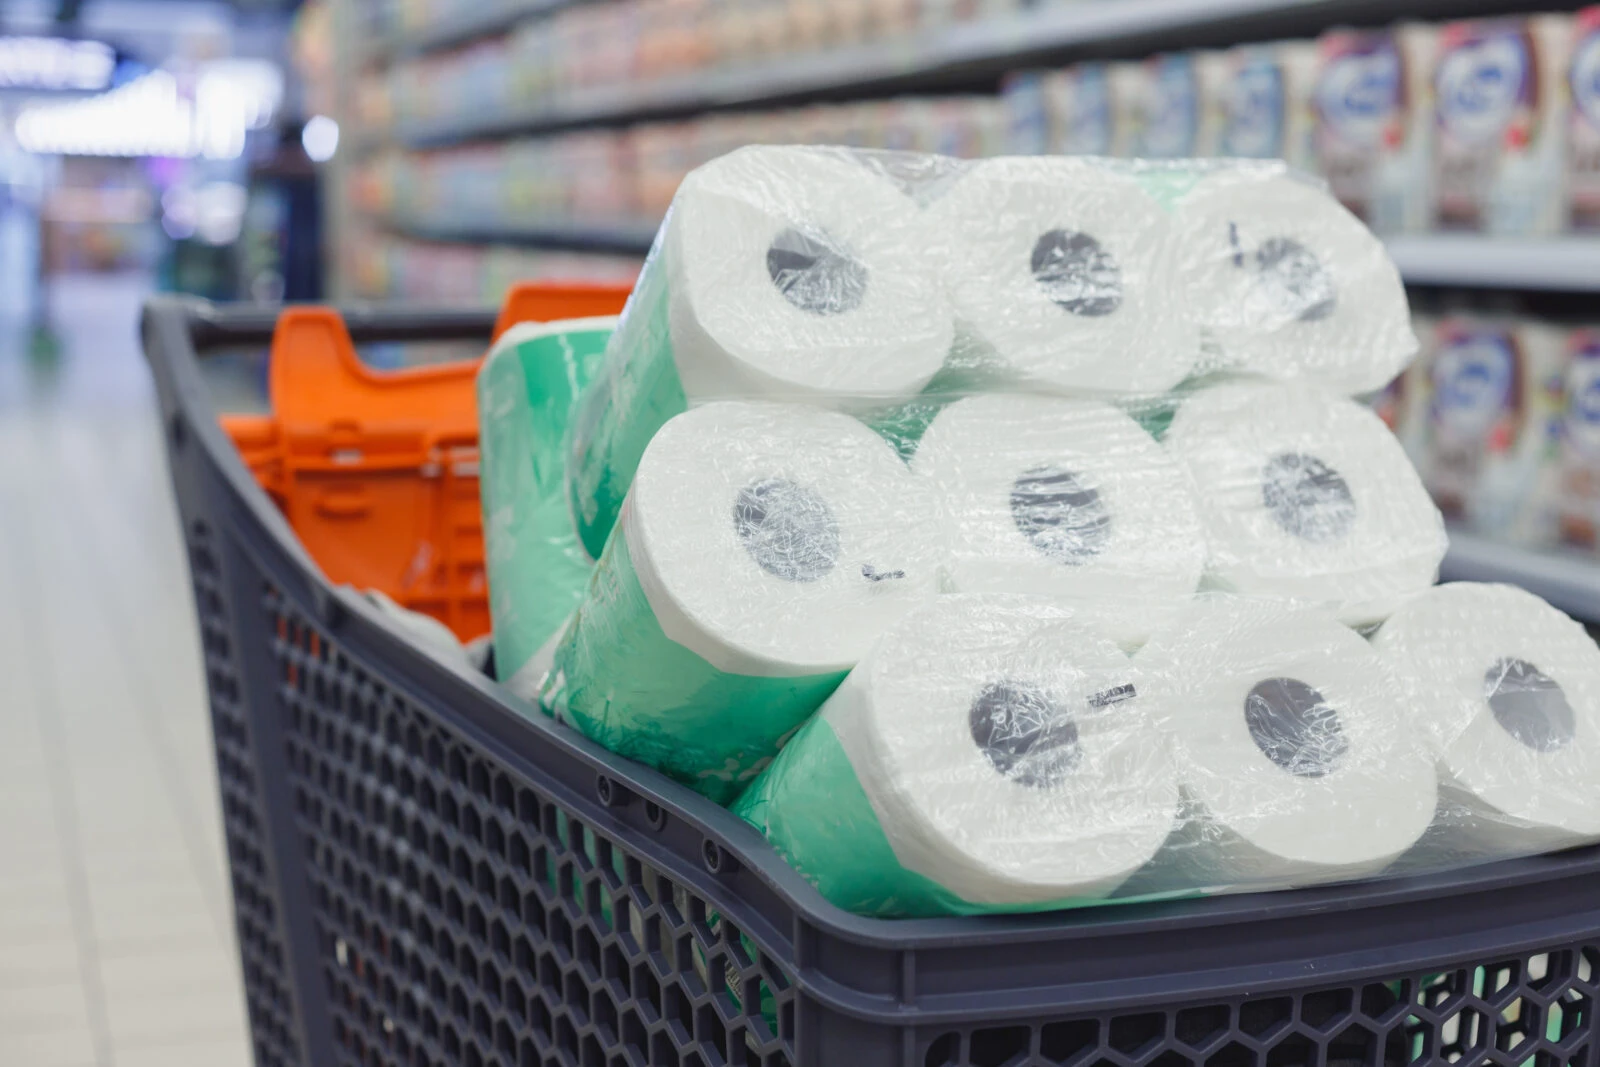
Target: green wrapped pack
{"points": [[989, 755], [786, 273], [762, 549], [537, 570]]}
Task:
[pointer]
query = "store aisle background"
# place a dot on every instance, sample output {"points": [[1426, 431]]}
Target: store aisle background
{"points": [[116, 933]]}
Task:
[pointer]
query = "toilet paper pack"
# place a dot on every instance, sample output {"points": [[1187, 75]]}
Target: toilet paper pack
{"points": [[1374, 131], [762, 548], [537, 570], [1304, 495], [1507, 690], [780, 272], [1494, 425], [1294, 745], [1501, 98], [990, 754]]}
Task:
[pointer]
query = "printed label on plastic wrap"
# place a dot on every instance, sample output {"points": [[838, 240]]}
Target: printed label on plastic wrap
{"points": [[669, 709], [537, 570], [632, 399]]}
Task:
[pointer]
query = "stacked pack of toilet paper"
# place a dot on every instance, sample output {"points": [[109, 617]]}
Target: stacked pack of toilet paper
{"points": [[1003, 536]]}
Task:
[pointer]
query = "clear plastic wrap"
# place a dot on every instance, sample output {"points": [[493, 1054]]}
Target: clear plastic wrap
{"points": [[1041, 479]]}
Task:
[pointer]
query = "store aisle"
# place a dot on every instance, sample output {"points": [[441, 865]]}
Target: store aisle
{"points": [[116, 939]]}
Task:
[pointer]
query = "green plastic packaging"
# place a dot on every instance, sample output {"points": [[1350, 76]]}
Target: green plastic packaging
{"points": [[537, 569], [623, 682]]}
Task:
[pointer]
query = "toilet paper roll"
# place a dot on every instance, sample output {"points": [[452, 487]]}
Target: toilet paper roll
{"points": [[1060, 274], [1065, 498], [1295, 749], [1288, 283], [537, 570], [989, 754], [1508, 693], [762, 548], [784, 273], [1307, 495]]}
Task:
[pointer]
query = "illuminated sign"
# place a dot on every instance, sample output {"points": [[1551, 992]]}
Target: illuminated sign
{"points": [[55, 63]]}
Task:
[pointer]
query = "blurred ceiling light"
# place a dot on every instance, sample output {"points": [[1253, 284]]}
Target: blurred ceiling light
{"points": [[150, 116], [55, 63], [320, 138]]}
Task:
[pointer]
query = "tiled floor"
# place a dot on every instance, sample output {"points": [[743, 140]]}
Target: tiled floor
{"points": [[116, 942]]}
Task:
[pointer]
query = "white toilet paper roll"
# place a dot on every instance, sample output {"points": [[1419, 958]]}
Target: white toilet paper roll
{"points": [[1308, 495], [778, 540], [1508, 692], [1061, 276], [1004, 753], [762, 549], [786, 273], [796, 272], [1065, 498], [1293, 744], [1288, 283]]}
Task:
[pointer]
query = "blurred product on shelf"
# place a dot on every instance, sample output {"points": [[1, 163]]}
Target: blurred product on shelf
{"points": [[1501, 415], [383, 267], [1494, 423], [607, 177], [1500, 101], [1487, 125], [1374, 124], [1580, 441], [1583, 120]]}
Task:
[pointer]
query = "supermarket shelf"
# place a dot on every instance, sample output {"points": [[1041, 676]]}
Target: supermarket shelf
{"points": [[1569, 264], [632, 238], [1566, 579], [954, 56], [483, 20]]}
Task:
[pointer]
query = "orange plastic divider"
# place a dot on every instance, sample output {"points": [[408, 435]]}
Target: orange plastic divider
{"points": [[377, 471]]}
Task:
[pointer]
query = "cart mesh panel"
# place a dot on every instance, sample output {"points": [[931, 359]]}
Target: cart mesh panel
{"points": [[261, 954], [466, 919], [1530, 1012]]}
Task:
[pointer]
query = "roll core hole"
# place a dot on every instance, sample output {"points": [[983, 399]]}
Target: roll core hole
{"points": [[1295, 727], [1026, 736], [1289, 277], [1077, 273], [787, 529], [814, 274], [1307, 498], [1064, 519], [1529, 704]]}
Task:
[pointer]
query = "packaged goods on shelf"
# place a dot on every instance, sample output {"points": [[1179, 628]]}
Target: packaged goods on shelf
{"points": [[1500, 94], [1580, 442], [1583, 129], [1267, 103], [1494, 427], [1374, 138]]}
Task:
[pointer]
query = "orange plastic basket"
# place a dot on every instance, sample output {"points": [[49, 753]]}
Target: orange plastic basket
{"points": [[377, 471]]}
